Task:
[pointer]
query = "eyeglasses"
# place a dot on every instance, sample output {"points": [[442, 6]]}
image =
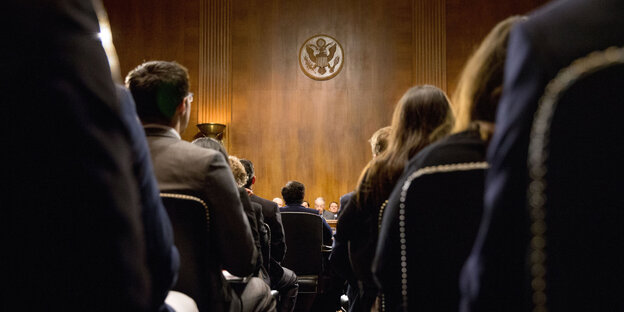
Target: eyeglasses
{"points": [[189, 97]]}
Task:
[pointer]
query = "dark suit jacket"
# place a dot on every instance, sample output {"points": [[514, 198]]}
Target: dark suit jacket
{"points": [[163, 260], [328, 215], [71, 210], [256, 221], [442, 215], [273, 218], [327, 231], [344, 199], [186, 168], [495, 276]]}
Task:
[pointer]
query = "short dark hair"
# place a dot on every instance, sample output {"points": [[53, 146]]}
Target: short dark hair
{"points": [[293, 193], [249, 168], [211, 143], [158, 88]]}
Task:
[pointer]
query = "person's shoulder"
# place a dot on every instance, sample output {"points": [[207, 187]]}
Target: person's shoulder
{"points": [[262, 201], [460, 147], [193, 152], [299, 209]]}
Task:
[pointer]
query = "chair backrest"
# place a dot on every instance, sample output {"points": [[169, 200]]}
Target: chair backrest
{"points": [[440, 211], [574, 197], [190, 219], [304, 238], [266, 247]]}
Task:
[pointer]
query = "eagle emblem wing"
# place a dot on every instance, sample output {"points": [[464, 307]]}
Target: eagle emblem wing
{"points": [[332, 51], [311, 53]]}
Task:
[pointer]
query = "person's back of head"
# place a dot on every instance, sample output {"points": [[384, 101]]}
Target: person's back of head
{"points": [[480, 85], [249, 168], [238, 170], [211, 143], [379, 140], [293, 193], [158, 89], [422, 116]]}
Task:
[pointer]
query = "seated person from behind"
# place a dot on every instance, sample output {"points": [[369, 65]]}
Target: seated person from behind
{"points": [[332, 213], [444, 211], [282, 279], [293, 193], [161, 92]]}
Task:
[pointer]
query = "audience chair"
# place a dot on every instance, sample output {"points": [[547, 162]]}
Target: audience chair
{"points": [[575, 202], [190, 219], [442, 208], [305, 251]]}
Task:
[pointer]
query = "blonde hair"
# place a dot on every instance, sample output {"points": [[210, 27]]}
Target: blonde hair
{"points": [[238, 170], [481, 81], [423, 115], [379, 140]]}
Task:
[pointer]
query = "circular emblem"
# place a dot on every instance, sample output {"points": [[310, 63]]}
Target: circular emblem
{"points": [[321, 57]]}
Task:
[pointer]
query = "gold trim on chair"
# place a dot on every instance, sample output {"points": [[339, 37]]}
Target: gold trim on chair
{"points": [[538, 154], [193, 198], [402, 236]]}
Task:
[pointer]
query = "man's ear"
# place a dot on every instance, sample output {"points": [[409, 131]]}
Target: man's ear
{"points": [[253, 180], [182, 107]]}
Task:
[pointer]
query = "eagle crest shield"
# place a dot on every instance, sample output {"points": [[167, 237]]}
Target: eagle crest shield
{"points": [[321, 57]]}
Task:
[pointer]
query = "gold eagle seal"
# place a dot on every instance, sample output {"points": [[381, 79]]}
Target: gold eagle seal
{"points": [[321, 57]]}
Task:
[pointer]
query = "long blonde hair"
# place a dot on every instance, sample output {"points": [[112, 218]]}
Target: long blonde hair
{"points": [[481, 81], [422, 116]]}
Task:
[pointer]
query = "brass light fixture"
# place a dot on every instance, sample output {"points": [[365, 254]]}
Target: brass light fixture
{"points": [[212, 130]]}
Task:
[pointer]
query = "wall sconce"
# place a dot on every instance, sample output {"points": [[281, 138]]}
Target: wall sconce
{"points": [[212, 130]]}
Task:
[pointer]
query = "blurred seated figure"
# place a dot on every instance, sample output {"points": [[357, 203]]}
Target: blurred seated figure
{"points": [[278, 201], [282, 279], [71, 209], [256, 219], [340, 255], [582, 270], [305, 204], [421, 117], [293, 193], [161, 92], [163, 260], [332, 213], [432, 217]]}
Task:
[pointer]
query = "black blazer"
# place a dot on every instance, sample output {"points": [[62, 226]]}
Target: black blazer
{"points": [[273, 218], [70, 200], [442, 214], [495, 276]]}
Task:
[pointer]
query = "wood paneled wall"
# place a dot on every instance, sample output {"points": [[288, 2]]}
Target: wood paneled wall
{"points": [[145, 30], [214, 102], [242, 56], [316, 132], [468, 22]]}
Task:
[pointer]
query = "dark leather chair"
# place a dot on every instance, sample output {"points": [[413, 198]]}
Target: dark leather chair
{"points": [[575, 201], [305, 252], [190, 219], [442, 208]]}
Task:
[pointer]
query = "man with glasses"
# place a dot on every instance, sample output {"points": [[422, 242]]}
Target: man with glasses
{"points": [[161, 92]]}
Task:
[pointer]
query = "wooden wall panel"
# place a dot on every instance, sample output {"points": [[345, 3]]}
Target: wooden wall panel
{"points": [[242, 59], [145, 30], [429, 42], [215, 64], [467, 23], [316, 132]]}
